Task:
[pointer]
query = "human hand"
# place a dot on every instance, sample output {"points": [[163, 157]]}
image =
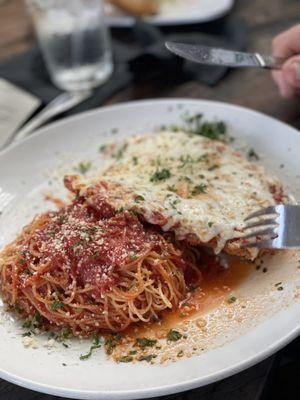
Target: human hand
{"points": [[287, 45]]}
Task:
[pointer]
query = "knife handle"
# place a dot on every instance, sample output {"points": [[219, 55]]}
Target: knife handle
{"points": [[270, 62]]}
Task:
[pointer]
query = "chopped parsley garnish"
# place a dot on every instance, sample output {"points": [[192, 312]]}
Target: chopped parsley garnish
{"points": [[125, 359], [60, 337], [252, 155], [199, 189], [76, 246], [135, 160], [213, 130], [22, 261], [174, 336], [96, 345], [279, 286], [51, 234], [185, 161], [111, 342], [84, 167], [17, 308], [35, 322], [26, 334], [62, 218], [160, 175], [56, 305], [173, 203], [133, 257], [89, 232], [144, 342], [138, 199], [147, 358], [172, 127], [102, 148], [210, 224], [203, 158], [95, 256], [172, 188], [231, 299], [120, 153], [92, 230]]}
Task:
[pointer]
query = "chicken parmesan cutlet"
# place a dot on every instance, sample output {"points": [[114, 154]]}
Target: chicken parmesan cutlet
{"points": [[198, 188]]}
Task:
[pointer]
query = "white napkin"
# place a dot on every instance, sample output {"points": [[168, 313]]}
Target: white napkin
{"points": [[16, 106]]}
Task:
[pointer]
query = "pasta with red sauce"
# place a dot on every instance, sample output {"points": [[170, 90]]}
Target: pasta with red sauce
{"points": [[88, 268]]}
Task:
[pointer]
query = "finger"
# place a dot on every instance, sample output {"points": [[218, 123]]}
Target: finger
{"points": [[286, 90], [287, 43], [291, 72], [277, 76]]}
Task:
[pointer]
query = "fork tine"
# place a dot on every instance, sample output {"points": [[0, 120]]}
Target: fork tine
{"points": [[262, 244], [266, 211], [263, 222], [264, 232]]}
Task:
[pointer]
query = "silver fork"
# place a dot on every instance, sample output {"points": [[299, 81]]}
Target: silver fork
{"points": [[274, 227], [64, 102]]}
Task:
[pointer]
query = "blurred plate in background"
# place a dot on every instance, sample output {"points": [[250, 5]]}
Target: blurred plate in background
{"points": [[176, 12]]}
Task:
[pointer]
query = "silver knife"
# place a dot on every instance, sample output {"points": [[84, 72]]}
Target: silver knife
{"points": [[229, 58]]}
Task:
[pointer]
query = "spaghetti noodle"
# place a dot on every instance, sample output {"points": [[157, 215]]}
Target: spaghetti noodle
{"points": [[90, 269]]}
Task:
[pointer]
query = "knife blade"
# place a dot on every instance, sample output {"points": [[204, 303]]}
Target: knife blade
{"points": [[222, 57]]}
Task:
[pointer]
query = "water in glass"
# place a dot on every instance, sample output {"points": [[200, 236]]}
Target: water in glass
{"points": [[74, 40]]}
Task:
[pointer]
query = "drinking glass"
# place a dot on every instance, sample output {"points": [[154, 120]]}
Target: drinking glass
{"points": [[74, 41]]}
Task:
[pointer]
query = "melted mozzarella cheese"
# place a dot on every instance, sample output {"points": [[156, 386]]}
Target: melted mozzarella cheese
{"points": [[197, 187]]}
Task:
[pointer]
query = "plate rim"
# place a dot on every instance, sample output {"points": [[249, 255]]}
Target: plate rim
{"points": [[127, 21], [165, 389], [159, 391], [133, 103]]}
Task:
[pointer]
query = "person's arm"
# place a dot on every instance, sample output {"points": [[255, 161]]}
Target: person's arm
{"points": [[287, 45]]}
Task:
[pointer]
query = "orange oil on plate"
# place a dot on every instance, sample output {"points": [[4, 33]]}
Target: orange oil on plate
{"points": [[217, 286]]}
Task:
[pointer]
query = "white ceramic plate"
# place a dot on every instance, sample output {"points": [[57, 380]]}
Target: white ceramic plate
{"points": [[176, 12], [271, 320]]}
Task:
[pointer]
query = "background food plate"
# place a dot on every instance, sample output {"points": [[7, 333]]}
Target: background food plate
{"points": [[176, 12], [236, 339]]}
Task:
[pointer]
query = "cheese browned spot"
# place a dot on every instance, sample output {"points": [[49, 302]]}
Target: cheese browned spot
{"points": [[199, 188]]}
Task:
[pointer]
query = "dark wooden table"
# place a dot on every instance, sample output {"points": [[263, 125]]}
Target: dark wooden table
{"points": [[251, 88]]}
